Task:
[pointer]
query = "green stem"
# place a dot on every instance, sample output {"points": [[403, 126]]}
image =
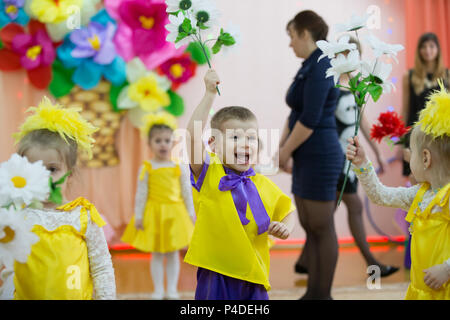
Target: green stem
{"points": [[199, 39]]}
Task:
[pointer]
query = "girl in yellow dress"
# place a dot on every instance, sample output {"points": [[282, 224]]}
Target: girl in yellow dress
{"points": [[71, 260], [163, 206], [427, 202]]}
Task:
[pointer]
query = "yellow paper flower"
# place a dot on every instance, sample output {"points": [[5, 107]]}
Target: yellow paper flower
{"points": [[65, 121], [434, 120], [148, 93], [161, 117], [54, 11]]}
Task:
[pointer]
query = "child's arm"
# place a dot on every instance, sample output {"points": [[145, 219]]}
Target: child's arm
{"points": [[100, 263], [140, 199], [186, 191], [377, 192], [198, 120], [437, 275]]}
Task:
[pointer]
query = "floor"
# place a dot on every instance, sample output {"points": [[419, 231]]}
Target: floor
{"points": [[350, 282]]}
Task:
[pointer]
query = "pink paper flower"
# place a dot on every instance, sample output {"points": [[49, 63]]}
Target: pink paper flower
{"points": [[141, 32]]}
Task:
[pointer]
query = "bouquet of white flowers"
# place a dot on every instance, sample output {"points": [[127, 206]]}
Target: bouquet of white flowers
{"points": [[366, 78], [189, 19]]}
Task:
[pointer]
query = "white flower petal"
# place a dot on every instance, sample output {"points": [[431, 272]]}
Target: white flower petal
{"points": [[123, 100]]}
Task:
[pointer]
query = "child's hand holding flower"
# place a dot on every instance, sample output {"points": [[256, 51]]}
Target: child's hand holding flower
{"points": [[355, 152], [211, 80]]}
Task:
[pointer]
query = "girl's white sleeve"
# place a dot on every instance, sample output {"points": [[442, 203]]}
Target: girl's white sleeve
{"points": [[141, 195], [100, 263], [186, 190], [378, 193]]}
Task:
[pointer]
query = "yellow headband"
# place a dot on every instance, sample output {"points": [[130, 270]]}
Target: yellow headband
{"points": [[434, 120], [161, 118], [65, 121]]}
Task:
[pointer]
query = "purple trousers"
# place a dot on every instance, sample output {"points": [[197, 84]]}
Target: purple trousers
{"points": [[215, 286]]}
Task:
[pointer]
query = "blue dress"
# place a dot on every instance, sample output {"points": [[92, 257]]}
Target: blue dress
{"points": [[319, 160]]}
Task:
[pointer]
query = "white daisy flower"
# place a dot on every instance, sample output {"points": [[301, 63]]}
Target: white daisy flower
{"points": [[174, 28], [381, 71], [205, 12], [343, 64], [16, 237], [356, 22], [379, 47], [22, 182], [177, 5], [331, 49]]}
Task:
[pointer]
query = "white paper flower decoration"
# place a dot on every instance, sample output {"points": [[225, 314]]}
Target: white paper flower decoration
{"points": [[379, 47], [343, 64], [177, 5], [16, 237], [356, 22], [205, 12], [22, 182], [332, 48], [381, 71], [174, 29]]}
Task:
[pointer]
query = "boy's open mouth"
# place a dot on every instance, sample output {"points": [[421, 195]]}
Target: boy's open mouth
{"points": [[242, 158]]}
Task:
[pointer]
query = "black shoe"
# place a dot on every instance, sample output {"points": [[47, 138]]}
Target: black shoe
{"points": [[300, 269], [388, 270]]}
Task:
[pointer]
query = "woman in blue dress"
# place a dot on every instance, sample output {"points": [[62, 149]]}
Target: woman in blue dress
{"points": [[310, 138]]}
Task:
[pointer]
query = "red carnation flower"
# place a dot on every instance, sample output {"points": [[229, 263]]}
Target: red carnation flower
{"points": [[390, 125]]}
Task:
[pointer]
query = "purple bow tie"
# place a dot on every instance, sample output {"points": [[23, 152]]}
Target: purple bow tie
{"points": [[243, 190]]}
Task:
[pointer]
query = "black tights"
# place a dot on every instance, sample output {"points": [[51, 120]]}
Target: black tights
{"points": [[356, 224], [321, 247]]}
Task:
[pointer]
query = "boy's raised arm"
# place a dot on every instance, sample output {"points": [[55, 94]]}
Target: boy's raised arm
{"points": [[198, 120]]}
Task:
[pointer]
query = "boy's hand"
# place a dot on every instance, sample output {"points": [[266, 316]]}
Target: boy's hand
{"points": [[355, 152], [211, 81], [436, 276], [278, 229], [138, 224]]}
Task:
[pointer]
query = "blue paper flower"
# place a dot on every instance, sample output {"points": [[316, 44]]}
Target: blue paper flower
{"points": [[88, 70], [12, 11]]}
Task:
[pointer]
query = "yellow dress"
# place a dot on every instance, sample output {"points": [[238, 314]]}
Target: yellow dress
{"points": [[221, 243], [430, 243], [166, 221], [58, 266]]}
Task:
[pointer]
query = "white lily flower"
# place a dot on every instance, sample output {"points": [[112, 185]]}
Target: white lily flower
{"points": [[331, 49], [379, 47], [22, 182], [356, 22], [343, 64], [174, 28], [381, 71], [16, 237], [206, 12]]}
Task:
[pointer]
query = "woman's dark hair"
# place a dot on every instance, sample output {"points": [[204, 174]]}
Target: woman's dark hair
{"points": [[311, 21]]}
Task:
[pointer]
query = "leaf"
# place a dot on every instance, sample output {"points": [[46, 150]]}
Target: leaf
{"points": [[354, 81], [61, 83], [186, 26], [176, 106], [375, 91], [216, 47], [195, 49], [62, 179], [55, 196], [227, 39], [181, 36], [114, 94]]}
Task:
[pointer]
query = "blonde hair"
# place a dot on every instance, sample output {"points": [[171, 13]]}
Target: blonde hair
{"points": [[419, 73], [67, 149]]}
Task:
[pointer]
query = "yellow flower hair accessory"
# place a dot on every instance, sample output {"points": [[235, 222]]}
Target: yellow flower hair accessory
{"points": [[434, 120], [65, 121], [161, 118]]}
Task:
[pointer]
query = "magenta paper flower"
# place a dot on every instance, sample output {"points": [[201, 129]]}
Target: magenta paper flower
{"points": [[34, 50], [141, 32]]}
